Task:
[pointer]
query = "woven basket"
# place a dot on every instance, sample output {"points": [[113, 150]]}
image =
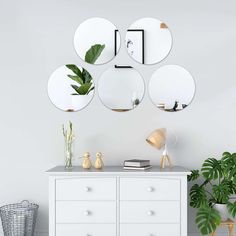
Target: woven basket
{"points": [[19, 219]]}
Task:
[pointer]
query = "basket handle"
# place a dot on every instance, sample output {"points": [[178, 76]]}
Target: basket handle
{"points": [[25, 203]]}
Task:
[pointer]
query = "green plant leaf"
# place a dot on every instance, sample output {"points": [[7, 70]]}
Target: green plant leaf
{"points": [[76, 88], [75, 69], [207, 220], [198, 196], [194, 175], [233, 167], [229, 165], [232, 208], [231, 185], [91, 88], [93, 53], [76, 78], [83, 89], [221, 192], [87, 77], [211, 169]]}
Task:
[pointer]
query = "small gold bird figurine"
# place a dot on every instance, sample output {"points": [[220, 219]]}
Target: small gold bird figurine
{"points": [[86, 161], [98, 164]]}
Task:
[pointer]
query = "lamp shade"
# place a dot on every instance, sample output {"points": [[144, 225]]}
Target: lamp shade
{"points": [[157, 138]]}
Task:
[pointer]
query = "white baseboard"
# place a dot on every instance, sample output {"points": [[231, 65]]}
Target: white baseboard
{"points": [[189, 234]]}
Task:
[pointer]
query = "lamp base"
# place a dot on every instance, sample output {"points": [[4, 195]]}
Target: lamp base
{"points": [[165, 161]]}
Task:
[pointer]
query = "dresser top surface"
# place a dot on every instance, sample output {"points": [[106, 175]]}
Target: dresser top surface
{"points": [[155, 170]]}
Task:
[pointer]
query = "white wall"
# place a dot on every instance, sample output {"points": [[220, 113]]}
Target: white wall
{"points": [[37, 37]]}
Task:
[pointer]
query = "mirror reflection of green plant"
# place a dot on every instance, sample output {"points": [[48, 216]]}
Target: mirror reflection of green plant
{"points": [[94, 53], [83, 78], [219, 183]]}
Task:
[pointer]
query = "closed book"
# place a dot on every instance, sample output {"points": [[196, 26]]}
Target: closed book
{"points": [[137, 168], [136, 163]]}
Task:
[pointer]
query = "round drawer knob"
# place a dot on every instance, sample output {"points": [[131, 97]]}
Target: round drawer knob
{"points": [[150, 213], [86, 213], [87, 189], [150, 189]]}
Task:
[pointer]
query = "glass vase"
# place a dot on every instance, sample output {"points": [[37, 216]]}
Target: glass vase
{"points": [[69, 153]]}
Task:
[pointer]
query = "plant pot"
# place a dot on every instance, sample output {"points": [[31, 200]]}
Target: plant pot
{"points": [[81, 101], [223, 211]]}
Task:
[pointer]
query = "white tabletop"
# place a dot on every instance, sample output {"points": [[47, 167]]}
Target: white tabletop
{"points": [[61, 170]]}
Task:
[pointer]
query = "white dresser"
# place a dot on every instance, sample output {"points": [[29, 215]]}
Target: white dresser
{"points": [[117, 202]]}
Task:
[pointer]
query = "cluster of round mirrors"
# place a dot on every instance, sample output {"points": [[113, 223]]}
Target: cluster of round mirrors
{"points": [[121, 87]]}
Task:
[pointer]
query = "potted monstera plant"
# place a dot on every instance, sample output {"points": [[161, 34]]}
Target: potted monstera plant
{"points": [[84, 81], [211, 192]]}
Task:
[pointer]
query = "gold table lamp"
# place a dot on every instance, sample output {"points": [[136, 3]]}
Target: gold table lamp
{"points": [[158, 140]]}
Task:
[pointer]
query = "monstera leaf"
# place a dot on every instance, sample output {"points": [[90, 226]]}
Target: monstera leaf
{"points": [[198, 196], [232, 208], [231, 186], [221, 192], [228, 162], [194, 175], [211, 169], [207, 220], [93, 53]]}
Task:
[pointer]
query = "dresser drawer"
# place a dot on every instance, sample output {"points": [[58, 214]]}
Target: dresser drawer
{"points": [[85, 230], [150, 212], [86, 189], [149, 189], [150, 230], [85, 212]]}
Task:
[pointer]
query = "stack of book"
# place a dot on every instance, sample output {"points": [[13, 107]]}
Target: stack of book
{"points": [[137, 164]]}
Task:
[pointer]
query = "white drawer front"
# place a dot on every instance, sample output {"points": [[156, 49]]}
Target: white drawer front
{"points": [[150, 230], [85, 212], [85, 230], [149, 189], [86, 189], [150, 212]]}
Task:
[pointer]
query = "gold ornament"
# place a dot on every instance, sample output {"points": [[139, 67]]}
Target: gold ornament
{"points": [[86, 161], [98, 164]]}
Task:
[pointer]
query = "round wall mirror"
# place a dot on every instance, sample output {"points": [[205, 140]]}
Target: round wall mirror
{"points": [[95, 39], [171, 88], [70, 88], [121, 89], [148, 41]]}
